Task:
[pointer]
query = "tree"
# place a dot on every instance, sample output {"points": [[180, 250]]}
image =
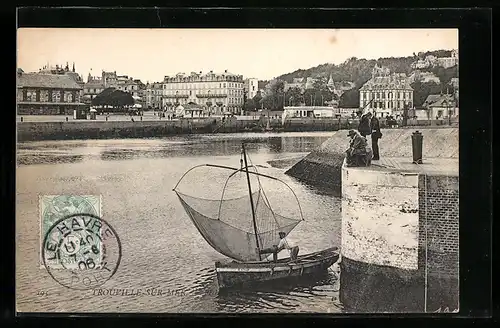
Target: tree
{"points": [[293, 97], [275, 98], [350, 99], [422, 90], [113, 97], [249, 105], [257, 100]]}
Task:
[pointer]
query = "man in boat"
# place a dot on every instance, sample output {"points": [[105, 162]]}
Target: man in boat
{"points": [[290, 246]]}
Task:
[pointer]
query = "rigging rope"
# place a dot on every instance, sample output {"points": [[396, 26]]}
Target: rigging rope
{"points": [[267, 201]]}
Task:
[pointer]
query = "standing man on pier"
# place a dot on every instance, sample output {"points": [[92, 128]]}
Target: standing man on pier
{"points": [[375, 134], [364, 124]]}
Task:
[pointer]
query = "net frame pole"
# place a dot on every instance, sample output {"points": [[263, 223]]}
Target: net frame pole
{"points": [[251, 200]]}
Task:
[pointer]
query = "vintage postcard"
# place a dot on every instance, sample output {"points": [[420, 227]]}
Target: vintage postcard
{"points": [[158, 174]]}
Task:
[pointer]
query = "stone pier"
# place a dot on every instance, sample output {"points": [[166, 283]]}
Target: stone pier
{"points": [[400, 236]]}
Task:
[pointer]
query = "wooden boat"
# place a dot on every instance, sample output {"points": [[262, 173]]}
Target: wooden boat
{"points": [[235, 274], [246, 229]]}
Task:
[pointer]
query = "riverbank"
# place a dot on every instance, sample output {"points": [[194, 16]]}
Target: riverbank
{"points": [[322, 167]]}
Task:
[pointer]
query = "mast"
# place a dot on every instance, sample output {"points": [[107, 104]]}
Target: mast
{"points": [[251, 200]]}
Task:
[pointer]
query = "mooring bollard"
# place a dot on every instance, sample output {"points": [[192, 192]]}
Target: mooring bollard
{"points": [[416, 143]]}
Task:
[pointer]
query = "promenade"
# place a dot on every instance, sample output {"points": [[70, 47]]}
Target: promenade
{"points": [[148, 116]]}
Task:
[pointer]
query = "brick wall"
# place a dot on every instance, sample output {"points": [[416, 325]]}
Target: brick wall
{"points": [[438, 211]]}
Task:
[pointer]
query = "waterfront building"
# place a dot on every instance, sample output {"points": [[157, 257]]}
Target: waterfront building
{"points": [[153, 95], [386, 93], [60, 70], [123, 83], [307, 111], [217, 93], [442, 106], [96, 84], [251, 87], [92, 88], [47, 94]]}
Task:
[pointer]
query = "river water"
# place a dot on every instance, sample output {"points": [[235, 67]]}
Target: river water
{"points": [[161, 248]]}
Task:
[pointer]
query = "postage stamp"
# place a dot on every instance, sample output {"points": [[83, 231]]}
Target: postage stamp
{"points": [[81, 251], [56, 207]]}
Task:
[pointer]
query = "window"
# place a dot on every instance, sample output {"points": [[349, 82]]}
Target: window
{"points": [[68, 96], [44, 95], [31, 95], [56, 96], [224, 85]]}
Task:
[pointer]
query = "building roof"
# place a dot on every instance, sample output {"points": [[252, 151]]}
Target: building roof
{"points": [[439, 101], [94, 84], [75, 76], [52, 81], [387, 82]]}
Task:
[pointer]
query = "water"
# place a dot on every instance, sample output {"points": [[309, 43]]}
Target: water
{"points": [[161, 247]]}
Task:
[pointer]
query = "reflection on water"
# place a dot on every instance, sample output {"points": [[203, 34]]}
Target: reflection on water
{"points": [[48, 152], [161, 247]]}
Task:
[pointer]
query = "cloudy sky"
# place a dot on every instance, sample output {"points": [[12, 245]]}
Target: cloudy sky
{"points": [[150, 54]]}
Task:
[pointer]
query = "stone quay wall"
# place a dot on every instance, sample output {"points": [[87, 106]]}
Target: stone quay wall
{"points": [[322, 167], [90, 129], [400, 241]]}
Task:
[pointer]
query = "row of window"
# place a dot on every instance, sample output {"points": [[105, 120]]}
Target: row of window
{"points": [[383, 95], [390, 105], [93, 90], [57, 96], [182, 101], [213, 85], [215, 92]]}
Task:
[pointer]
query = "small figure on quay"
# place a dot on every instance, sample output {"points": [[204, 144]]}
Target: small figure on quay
{"points": [[375, 134], [358, 154], [364, 127]]}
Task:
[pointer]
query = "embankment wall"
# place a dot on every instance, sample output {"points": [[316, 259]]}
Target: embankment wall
{"points": [[322, 167], [400, 241], [90, 129]]}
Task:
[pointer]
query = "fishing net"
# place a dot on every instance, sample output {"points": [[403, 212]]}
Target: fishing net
{"points": [[227, 223]]}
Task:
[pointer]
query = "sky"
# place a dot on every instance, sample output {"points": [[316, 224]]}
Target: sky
{"points": [[150, 54]]}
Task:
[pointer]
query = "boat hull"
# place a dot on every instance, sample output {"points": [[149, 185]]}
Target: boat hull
{"points": [[236, 274]]}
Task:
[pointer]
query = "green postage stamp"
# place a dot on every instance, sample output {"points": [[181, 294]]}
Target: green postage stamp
{"points": [[56, 207]]}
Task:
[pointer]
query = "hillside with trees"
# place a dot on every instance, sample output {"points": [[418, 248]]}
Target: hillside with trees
{"points": [[356, 70]]}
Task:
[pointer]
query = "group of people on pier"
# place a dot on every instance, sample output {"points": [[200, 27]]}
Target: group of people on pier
{"points": [[359, 154]]}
